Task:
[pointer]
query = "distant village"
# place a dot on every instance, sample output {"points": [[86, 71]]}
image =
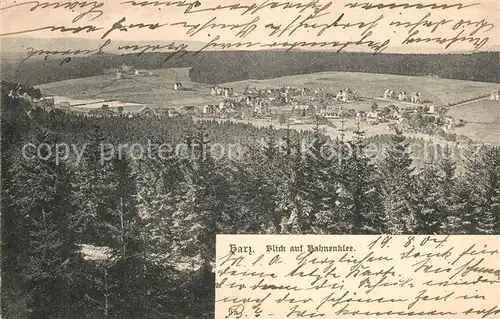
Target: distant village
{"points": [[305, 105], [288, 105]]}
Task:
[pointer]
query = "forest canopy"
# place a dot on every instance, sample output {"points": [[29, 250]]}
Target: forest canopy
{"points": [[157, 217], [227, 66]]}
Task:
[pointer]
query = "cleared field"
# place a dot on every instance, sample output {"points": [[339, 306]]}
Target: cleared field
{"points": [[156, 90], [483, 119], [479, 112], [436, 90]]}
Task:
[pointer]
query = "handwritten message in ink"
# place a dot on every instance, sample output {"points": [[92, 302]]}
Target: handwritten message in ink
{"points": [[292, 276], [180, 27]]}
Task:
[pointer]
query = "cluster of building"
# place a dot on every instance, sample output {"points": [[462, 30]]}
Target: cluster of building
{"points": [[128, 71], [400, 118], [346, 95], [130, 111], [291, 95], [298, 103], [94, 108], [262, 100], [334, 112], [374, 117], [415, 98], [221, 91], [43, 102], [301, 103]]}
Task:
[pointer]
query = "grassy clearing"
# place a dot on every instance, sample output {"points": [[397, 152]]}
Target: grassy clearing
{"points": [[483, 119]]}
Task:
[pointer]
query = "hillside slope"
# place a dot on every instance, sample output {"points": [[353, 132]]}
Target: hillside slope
{"points": [[436, 90], [156, 90]]}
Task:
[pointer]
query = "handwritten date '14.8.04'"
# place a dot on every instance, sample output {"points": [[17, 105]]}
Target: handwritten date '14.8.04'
{"points": [[264, 276]]}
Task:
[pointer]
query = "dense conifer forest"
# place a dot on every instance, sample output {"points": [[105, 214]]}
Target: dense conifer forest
{"points": [[157, 217], [215, 67], [226, 66]]}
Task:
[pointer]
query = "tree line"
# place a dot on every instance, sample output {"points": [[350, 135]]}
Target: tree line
{"points": [[227, 66], [158, 217], [238, 66]]}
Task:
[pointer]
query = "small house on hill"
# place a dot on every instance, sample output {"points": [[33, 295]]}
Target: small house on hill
{"points": [[389, 94], [373, 115], [403, 96], [495, 95], [213, 90], [228, 91], [432, 109], [416, 98], [344, 95], [178, 86], [330, 113]]}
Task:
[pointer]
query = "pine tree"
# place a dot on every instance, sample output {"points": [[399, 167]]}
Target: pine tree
{"points": [[258, 176], [360, 197], [158, 180], [97, 186], [486, 175], [318, 181], [294, 219], [449, 203], [50, 271], [123, 223], [398, 187], [196, 220], [430, 214], [345, 201], [463, 220], [43, 201], [15, 126], [121, 233]]}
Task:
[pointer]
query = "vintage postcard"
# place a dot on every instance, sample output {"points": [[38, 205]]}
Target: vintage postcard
{"points": [[178, 159], [360, 276]]}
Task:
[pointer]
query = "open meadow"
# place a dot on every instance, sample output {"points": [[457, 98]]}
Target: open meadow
{"points": [[156, 90], [483, 121], [437, 90]]}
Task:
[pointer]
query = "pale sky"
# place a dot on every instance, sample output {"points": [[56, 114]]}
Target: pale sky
{"points": [[478, 22]]}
